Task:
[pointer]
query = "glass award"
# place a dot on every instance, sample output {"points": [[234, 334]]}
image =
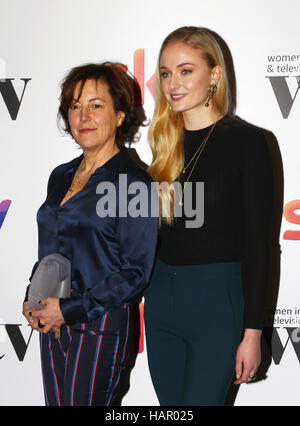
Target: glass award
{"points": [[52, 278]]}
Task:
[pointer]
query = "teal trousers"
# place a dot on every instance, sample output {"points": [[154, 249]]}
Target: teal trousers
{"points": [[193, 324]]}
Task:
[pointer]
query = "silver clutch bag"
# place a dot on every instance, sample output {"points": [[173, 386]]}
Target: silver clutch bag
{"points": [[52, 278]]}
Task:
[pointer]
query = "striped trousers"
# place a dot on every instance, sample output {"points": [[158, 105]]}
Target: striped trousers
{"points": [[83, 367]]}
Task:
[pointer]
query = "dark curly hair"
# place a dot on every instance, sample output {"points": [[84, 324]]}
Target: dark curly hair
{"points": [[124, 90]]}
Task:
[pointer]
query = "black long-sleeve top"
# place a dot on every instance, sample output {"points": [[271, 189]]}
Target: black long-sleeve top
{"points": [[236, 169]]}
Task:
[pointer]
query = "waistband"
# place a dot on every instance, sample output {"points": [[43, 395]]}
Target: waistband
{"points": [[203, 268]]}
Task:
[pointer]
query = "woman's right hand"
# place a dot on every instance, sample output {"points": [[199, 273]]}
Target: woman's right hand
{"points": [[27, 313]]}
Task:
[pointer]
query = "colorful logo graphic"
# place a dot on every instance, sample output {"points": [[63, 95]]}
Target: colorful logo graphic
{"points": [[4, 206], [139, 73], [141, 339], [289, 213]]}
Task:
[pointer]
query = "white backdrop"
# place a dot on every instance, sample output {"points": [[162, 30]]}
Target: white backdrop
{"points": [[41, 41]]}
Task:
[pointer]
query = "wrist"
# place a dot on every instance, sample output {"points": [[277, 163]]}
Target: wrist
{"points": [[251, 334]]}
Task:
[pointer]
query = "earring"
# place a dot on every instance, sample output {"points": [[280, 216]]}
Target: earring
{"points": [[211, 92]]}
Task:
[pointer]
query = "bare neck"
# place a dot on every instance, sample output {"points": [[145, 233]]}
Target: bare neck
{"points": [[97, 157], [199, 119]]}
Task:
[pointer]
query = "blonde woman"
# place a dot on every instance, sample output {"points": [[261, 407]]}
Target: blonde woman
{"points": [[205, 304]]}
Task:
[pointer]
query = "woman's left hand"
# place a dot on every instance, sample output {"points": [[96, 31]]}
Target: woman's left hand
{"points": [[50, 317], [248, 356]]}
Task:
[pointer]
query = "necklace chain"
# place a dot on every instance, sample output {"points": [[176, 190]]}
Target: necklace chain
{"points": [[77, 180], [199, 152]]}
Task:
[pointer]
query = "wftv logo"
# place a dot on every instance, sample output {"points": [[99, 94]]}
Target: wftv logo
{"points": [[10, 97], [283, 73], [276, 347], [17, 340]]}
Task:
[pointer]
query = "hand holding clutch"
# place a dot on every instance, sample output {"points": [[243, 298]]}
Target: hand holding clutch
{"points": [[52, 278], [49, 318], [51, 281]]}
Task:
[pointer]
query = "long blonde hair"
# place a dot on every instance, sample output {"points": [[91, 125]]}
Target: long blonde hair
{"points": [[166, 129]]}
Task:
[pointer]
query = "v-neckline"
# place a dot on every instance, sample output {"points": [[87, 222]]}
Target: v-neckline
{"points": [[73, 175]]}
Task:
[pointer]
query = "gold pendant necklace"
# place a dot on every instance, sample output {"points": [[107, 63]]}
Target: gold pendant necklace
{"points": [[199, 152]]}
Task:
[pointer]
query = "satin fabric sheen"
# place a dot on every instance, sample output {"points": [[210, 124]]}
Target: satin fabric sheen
{"points": [[111, 257]]}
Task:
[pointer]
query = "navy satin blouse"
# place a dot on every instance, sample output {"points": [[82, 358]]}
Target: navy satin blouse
{"points": [[111, 257]]}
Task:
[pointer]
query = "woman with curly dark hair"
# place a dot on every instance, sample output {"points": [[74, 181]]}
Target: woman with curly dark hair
{"points": [[111, 254]]}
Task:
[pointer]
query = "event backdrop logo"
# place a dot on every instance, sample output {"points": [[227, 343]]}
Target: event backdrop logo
{"points": [[289, 213], [10, 97], [4, 206], [139, 73], [283, 72]]}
